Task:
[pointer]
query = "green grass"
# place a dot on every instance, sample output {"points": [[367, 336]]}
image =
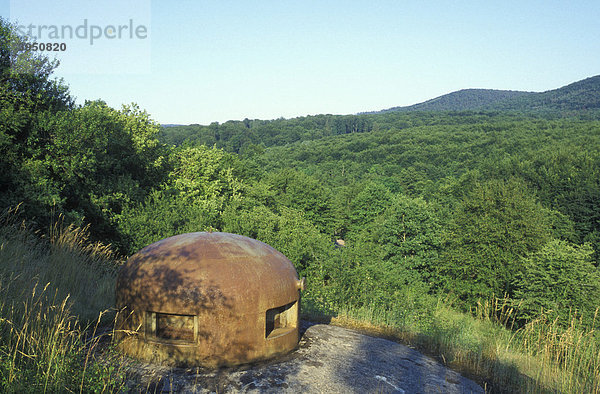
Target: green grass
{"points": [[54, 293]]}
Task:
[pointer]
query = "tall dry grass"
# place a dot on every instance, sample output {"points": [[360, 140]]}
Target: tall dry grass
{"points": [[44, 348], [73, 265], [549, 356], [566, 358], [54, 294]]}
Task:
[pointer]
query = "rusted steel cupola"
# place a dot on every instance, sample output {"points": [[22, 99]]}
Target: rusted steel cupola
{"points": [[208, 299]]}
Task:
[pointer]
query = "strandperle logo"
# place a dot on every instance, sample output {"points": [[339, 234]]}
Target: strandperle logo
{"points": [[85, 31]]}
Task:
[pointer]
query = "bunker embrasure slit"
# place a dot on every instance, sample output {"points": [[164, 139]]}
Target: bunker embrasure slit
{"points": [[171, 327], [280, 320]]}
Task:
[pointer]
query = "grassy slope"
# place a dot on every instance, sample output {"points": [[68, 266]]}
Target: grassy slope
{"points": [[45, 348], [53, 294]]}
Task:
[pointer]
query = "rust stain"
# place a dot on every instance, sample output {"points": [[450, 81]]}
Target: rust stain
{"points": [[225, 283]]}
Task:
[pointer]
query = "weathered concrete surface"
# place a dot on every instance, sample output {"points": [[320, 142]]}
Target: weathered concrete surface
{"points": [[207, 298], [329, 359]]}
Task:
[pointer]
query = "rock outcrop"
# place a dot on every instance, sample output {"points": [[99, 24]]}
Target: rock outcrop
{"points": [[329, 359]]}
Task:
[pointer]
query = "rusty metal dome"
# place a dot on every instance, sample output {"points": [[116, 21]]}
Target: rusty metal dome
{"points": [[208, 299]]}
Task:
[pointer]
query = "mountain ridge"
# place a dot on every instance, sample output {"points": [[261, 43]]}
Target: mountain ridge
{"points": [[460, 100], [581, 95]]}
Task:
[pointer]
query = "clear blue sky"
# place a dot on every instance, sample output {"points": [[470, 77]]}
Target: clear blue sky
{"points": [[205, 61]]}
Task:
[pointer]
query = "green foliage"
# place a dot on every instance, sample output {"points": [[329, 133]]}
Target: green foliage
{"points": [[382, 266], [26, 91], [288, 231], [351, 124], [408, 235], [161, 215], [559, 279], [369, 203], [426, 202], [88, 162], [297, 190], [581, 96], [238, 136], [203, 174], [202, 182], [84, 162], [579, 99], [496, 225], [25, 76]]}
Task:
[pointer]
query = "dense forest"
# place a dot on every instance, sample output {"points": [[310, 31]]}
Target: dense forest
{"points": [[501, 201], [473, 203]]}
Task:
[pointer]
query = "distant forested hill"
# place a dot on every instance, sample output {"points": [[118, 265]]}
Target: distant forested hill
{"points": [[583, 95], [463, 100], [580, 99], [579, 96]]}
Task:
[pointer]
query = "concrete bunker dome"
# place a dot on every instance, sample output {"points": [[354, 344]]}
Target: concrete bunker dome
{"points": [[209, 299]]}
